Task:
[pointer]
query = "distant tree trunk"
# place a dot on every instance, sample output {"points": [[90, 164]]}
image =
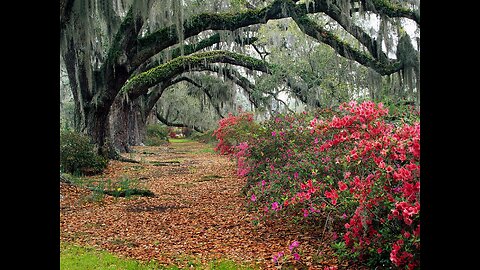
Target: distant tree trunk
{"points": [[137, 122], [119, 117]]}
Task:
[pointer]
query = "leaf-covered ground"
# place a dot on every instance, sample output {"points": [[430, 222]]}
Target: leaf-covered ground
{"points": [[198, 210]]}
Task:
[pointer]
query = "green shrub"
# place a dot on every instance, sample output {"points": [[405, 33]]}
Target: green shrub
{"points": [[206, 137], [78, 156], [156, 135]]}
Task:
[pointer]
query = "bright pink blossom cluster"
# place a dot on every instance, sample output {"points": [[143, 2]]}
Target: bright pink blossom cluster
{"points": [[228, 134]]}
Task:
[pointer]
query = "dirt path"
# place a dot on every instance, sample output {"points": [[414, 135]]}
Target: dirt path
{"points": [[197, 211]]}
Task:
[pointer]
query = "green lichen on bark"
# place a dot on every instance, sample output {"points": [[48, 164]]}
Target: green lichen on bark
{"points": [[392, 9], [140, 83]]}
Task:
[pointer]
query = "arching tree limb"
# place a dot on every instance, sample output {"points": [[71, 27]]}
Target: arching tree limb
{"points": [[171, 124], [139, 84], [314, 30]]}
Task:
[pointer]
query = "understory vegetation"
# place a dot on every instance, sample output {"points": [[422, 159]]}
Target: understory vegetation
{"points": [[157, 134], [78, 155]]}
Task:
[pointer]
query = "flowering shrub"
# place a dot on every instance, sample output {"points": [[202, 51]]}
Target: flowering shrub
{"points": [[357, 163], [234, 130]]}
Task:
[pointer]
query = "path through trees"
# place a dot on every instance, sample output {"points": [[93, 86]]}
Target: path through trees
{"points": [[198, 210]]}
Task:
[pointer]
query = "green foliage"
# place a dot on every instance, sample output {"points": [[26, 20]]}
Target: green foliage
{"points": [[125, 187], [206, 137], [156, 135], [78, 155]]}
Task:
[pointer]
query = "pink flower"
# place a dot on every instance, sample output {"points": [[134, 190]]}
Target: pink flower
{"points": [[253, 198], [381, 165], [293, 245], [274, 133], [278, 256], [275, 206], [296, 257]]}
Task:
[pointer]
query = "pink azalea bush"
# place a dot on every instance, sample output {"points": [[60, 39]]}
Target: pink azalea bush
{"points": [[232, 131], [357, 162]]}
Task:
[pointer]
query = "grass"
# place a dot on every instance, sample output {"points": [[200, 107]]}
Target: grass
{"points": [[165, 163], [172, 140], [73, 257], [205, 150], [123, 187]]}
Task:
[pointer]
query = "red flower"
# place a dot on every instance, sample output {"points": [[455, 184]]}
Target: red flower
{"points": [[342, 186]]}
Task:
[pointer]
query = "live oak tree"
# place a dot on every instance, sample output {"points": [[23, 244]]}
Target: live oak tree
{"points": [[119, 55]]}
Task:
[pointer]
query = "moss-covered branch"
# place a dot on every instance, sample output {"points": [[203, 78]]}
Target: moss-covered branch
{"points": [[139, 84], [344, 19], [195, 47], [392, 10], [233, 75], [314, 30], [166, 37]]}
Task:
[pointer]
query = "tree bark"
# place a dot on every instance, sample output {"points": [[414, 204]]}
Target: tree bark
{"points": [[119, 125]]}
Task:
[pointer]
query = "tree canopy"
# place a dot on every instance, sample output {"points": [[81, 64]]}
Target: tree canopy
{"points": [[121, 58]]}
